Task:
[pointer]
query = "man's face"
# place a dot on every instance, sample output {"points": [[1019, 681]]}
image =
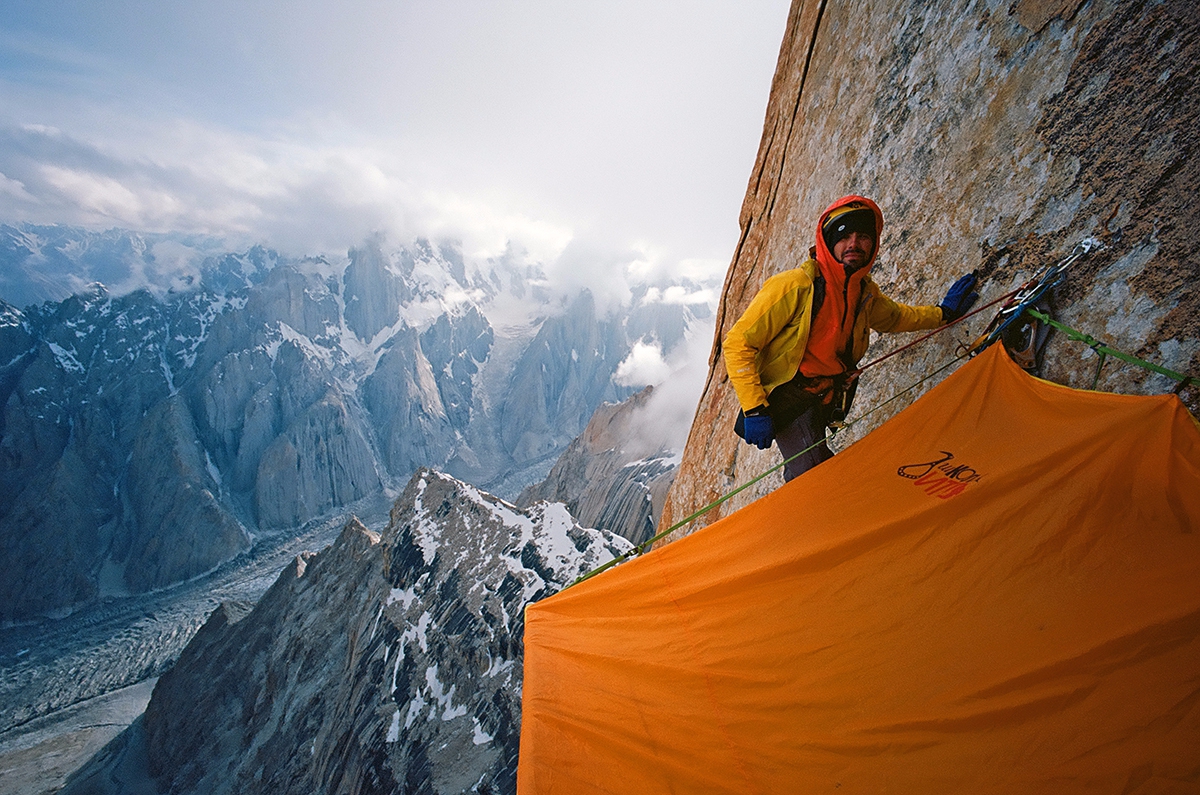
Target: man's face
{"points": [[854, 250]]}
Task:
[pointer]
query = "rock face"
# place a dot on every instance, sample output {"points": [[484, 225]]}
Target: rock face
{"points": [[573, 356], [373, 299], [614, 475], [171, 488], [145, 438], [382, 664], [995, 136]]}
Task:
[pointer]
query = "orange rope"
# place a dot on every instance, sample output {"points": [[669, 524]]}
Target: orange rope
{"points": [[858, 371]]}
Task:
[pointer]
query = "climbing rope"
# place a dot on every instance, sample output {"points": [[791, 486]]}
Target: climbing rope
{"points": [[1019, 302], [855, 373], [645, 545]]}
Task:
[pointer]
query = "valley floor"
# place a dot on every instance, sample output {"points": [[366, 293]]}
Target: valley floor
{"points": [[70, 685], [37, 758]]}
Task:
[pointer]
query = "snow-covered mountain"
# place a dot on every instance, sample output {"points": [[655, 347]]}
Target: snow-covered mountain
{"points": [[148, 436], [40, 263], [383, 664]]}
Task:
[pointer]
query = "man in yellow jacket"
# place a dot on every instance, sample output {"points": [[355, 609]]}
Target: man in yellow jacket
{"points": [[789, 354]]}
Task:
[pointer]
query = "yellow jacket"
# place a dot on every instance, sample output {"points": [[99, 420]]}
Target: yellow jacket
{"points": [[764, 347]]}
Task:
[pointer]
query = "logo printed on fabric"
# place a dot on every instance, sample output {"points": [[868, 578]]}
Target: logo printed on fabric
{"points": [[941, 478]]}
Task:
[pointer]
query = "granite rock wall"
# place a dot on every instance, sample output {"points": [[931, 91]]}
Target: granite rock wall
{"points": [[995, 136]]}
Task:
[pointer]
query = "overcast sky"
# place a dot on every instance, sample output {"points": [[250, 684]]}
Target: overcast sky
{"points": [[306, 125]]}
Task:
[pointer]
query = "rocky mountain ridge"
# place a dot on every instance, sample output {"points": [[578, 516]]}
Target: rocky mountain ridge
{"points": [[147, 438], [53, 262], [995, 136], [383, 664]]}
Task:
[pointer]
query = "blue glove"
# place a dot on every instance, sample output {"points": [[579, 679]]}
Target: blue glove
{"points": [[760, 430], [959, 298]]}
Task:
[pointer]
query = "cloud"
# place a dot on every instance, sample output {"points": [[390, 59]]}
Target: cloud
{"points": [[304, 199], [102, 197], [680, 294], [654, 264], [644, 365], [298, 198], [585, 134], [588, 262], [665, 420], [15, 189]]}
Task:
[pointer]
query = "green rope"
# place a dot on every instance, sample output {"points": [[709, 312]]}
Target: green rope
{"points": [[642, 547], [1103, 350]]}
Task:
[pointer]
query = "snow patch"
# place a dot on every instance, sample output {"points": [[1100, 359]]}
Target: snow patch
{"points": [[68, 360], [427, 532], [375, 626], [406, 596], [311, 349], [396, 668], [394, 730], [443, 699], [480, 736], [415, 708], [10, 316], [418, 633], [497, 666]]}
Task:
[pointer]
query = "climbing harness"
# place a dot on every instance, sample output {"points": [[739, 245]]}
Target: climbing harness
{"points": [[1019, 322]]}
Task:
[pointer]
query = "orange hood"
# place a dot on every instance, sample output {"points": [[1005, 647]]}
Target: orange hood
{"points": [[824, 255], [831, 335]]}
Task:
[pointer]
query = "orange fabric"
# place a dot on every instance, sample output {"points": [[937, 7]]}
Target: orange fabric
{"points": [[1022, 617], [833, 325]]}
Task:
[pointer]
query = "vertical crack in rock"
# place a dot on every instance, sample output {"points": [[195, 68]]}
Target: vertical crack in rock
{"points": [[995, 136]]}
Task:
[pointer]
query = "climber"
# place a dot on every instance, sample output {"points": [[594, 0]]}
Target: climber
{"points": [[791, 355]]}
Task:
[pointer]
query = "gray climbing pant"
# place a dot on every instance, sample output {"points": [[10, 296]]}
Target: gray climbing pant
{"points": [[803, 432]]}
